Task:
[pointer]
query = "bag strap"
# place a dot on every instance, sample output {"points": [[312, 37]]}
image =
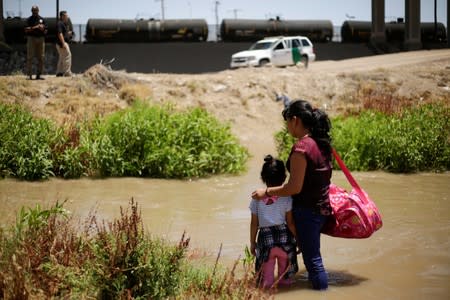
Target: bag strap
{"points": [[347, 173]]}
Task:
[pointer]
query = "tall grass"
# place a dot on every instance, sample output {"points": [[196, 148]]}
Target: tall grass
{"points": [[44, 255], [414, 139], [147, 141], [24, 144]]}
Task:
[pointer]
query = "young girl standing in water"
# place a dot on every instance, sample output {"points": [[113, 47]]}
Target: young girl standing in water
{"points": [[273, 222]]}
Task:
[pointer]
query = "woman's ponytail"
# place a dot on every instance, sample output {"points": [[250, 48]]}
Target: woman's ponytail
{"points": [[320, 132]]}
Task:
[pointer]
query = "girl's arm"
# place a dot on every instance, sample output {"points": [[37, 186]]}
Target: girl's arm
{"points": [[294, 184], [253, 231]]}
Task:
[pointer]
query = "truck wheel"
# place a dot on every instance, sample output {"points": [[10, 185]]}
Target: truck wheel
{"points": [[263, 62]]}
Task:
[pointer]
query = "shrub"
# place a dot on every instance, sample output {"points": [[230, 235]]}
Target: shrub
{"points": [[147, 141], [415, 139], [24, 144], [45, 256], [70, 155], [284, 142], [152, 141]]}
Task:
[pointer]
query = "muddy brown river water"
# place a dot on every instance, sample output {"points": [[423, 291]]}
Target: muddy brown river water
{"points": [[409, 258]]}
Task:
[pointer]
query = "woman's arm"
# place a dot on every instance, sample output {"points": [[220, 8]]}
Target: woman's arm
{"points": [[290, 223], [294, 184], [253, 231], [291, 226]]}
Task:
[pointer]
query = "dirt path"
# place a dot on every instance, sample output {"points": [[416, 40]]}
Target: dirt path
{"points": [[388, 61]]}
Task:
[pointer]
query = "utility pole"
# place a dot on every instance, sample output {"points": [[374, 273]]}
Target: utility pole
{"points": [[20, 8], [57, 11], [448, 23], [2, 36], [235, 11], [217, 19], [162, 8], [435, 20], [190, 9]]}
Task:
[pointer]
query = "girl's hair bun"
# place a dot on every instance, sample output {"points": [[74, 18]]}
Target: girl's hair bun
{"points": [[273, 172]]}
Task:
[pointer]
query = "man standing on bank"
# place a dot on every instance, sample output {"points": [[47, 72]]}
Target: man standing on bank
{"points": [[64, 34], [35, 32]]}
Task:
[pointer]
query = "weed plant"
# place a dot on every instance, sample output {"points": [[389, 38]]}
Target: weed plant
{"points": [[414, 139], [45, 256], [144, 141], [24, 144]]}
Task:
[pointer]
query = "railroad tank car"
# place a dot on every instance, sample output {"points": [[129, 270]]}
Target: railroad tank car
{"points": [[240, 30], [359, 31], [142, 31], [14, 30], [427, 32], [356, 31]]}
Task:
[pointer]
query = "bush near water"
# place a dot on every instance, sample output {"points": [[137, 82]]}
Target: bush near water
{"points": [[147, 141], [415, 139], [46, 255]]}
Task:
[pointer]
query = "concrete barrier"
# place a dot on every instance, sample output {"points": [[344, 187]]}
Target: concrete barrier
{"points": [[189, 58]]}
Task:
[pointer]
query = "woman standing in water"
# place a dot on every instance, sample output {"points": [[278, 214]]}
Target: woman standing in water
{"points": [[309, 165]]}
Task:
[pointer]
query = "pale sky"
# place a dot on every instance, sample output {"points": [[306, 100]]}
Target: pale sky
{"points": [[335, 10]]}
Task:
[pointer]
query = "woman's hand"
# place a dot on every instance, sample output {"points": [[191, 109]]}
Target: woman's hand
{"points": [[259, 194], [253, 249]]}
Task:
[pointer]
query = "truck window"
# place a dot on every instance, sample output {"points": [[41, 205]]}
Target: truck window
{"points": [[295, 43], [280, 46], [262, 45], [305, 43]]}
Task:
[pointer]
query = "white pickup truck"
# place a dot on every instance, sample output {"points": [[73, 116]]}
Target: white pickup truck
{"points": [[279, 51]]}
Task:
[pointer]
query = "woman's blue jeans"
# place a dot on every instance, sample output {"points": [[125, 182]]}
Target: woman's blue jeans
{"points": [[309, 225]]}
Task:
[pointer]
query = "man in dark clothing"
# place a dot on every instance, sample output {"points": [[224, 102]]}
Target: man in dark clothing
{"points": [[64, 35], [35, 32]]}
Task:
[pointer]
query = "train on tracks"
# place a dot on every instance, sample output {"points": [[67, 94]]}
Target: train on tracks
{"points": [[231, 30]]}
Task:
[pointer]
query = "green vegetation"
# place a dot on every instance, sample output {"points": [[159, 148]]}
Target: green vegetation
{"points": [[415, 139], [44, 255], [24, 144], [148, 141]]}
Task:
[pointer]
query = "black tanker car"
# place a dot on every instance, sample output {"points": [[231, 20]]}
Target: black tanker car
{"points": [[242, 30], [359, 32], [144, 31]]}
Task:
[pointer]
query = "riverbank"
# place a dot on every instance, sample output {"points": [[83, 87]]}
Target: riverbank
{"points": [[243, 97]]}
